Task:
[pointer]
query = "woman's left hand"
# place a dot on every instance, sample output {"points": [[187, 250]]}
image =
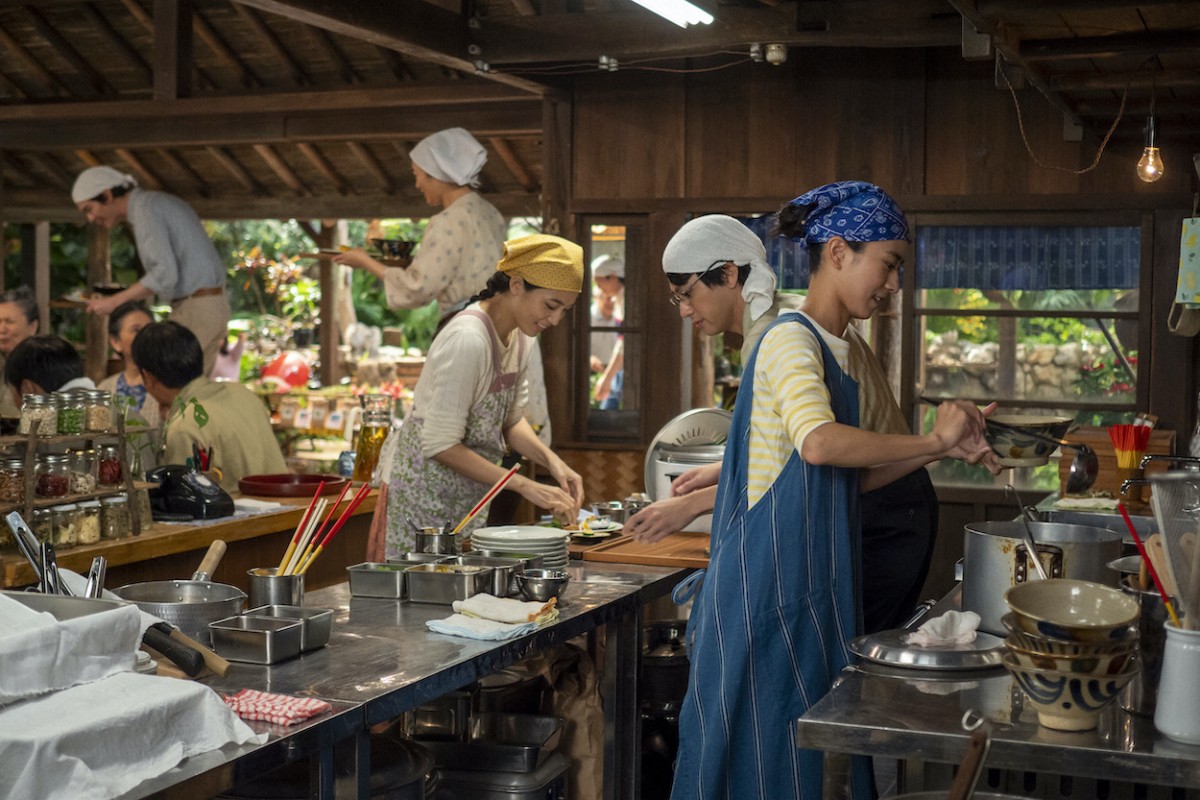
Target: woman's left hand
{"points": [[568, 479]]}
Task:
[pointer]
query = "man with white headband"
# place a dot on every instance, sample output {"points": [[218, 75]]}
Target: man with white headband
{"points": [[181, 264]]}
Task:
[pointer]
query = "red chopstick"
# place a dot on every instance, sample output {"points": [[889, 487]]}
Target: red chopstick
{"points": [[359, 496], [1149, 564], [487, 497], [291, 548]]}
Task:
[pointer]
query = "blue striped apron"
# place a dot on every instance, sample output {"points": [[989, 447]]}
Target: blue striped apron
{"points": [[771, 621]]}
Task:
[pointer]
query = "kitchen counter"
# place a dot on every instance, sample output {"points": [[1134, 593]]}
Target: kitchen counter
{"points": [[381, 661]]}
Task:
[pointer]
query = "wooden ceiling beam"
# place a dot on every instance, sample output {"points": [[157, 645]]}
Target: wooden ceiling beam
{"points": [[1121, 44], [396, 64], [373, 166], [513, 119], [322, 165], [149, 179], [213, 40], [235, 168], [992, 8], [100, 23], [174, 28], [49, 166], [10, 88], [281, 169], [147, 21], [17, 165], [525, 8], [65, 49], [415, 28], [510, 159], [199, 184], [1143, 80], [89, 158], [50, 81], [256, 23], [329, 47]]}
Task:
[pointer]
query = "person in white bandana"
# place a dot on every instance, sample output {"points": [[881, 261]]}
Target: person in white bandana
{"points": [[181, 264]]}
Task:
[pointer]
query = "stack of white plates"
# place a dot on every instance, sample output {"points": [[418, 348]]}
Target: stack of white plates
{"points": [[549, 543]]}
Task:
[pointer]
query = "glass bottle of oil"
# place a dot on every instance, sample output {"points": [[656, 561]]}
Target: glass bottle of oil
{"points": [[374, 430]]}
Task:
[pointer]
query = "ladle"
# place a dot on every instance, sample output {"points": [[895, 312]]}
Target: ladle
{"points": [[1030, 544], [1084, 466]]}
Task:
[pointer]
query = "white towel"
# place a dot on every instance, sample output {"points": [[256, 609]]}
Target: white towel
{"points": [[953, 627], [502, 609], [476, 628]]}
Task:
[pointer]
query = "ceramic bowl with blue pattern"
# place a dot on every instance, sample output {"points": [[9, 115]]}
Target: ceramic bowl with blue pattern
{"points": [[1014, 444], [1068, 701], [1073, 610]]}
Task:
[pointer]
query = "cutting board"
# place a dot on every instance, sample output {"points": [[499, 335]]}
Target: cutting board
{"points": [[685, 549]]}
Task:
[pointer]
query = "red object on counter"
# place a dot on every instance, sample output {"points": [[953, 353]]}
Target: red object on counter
{"points": [[290, 368], [280, 709]]}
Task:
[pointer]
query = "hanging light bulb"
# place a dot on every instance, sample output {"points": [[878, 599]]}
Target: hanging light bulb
{"points": [[1150, 165]]}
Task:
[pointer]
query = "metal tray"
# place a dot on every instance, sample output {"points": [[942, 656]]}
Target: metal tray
{"points": [[501, 742], [315, 623], [374, 579], [62, 607], [504, 571], [408, 559], [256, 640], [888, 648], [445, 583]]}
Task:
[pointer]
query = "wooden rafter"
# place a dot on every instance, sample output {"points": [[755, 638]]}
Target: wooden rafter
{"points": [[88, 157], [329, 47], [213, 40], [20, 169], [179, 165], [1121, 44], [10, 88], [373, 166], [99, 22], [149, 178], [402, 148], [235, 168], [513, 162], [147, 21], [52, 83], [68, 52], [525, 8], [256, 23], [395, 63], [1143, 80], [50, 166], [281, 169], [322, 165]]}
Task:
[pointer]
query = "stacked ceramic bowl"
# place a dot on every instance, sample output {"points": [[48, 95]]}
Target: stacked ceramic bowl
{"points": [[524, 540], [1071, 648]]}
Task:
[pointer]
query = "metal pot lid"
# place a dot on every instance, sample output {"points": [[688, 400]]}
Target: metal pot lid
{"points": [[698, 427], [889, 648]]}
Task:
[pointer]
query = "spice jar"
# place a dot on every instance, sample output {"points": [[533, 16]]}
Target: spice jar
{"points": [[141, 507], [82, 471], [114, 518], [52, 477], [109, 471], [371, 436], [70, 412], [98, 410], [288, 407], [42, 525], [89, 522], [12, 480], [41, 408], [66, 525]]}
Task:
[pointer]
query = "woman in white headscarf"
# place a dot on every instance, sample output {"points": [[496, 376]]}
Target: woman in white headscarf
{"points": [[462, 243]]}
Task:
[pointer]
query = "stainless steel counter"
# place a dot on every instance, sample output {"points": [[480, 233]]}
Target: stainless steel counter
{"points": [[381, 661]]}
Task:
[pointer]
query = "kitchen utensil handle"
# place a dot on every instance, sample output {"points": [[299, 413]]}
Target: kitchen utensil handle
{"points": [[211, 660], [159, 637], [963, 786], [216, 551]]}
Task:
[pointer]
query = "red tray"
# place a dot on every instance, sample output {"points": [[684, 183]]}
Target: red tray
{"points": [[289, 485]]}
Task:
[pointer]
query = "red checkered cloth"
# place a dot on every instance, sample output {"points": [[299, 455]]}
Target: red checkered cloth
{"points": [[281, 709]]}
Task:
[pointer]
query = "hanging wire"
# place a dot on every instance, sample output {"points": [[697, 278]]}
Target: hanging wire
{"points": [[1103, 144], [581, 67]]}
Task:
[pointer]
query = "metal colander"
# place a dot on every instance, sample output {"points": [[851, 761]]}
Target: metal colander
{"points": [[1176, 501]]}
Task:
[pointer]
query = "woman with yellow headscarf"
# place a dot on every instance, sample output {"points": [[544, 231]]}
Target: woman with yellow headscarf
{"points": [[468, 404]]}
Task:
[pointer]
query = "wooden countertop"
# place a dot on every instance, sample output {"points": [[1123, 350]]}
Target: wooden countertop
{"points": [[684, 549]]}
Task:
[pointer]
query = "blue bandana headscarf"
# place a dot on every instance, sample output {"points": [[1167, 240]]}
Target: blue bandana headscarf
{"points": [[856, 211]]}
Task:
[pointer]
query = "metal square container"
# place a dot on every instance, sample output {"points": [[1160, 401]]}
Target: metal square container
{"points": [[528, 560], [375, 579], [409, 559], [445, 583], [504, 571], [257, 640], [316, 623], [501, 742]]}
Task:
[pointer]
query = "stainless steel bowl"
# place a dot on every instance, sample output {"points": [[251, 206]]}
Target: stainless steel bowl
{"points": [[542, 584]]}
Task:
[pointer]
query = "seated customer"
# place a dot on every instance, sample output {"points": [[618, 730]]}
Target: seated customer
{"points": [[227, 417], [44, 364]]}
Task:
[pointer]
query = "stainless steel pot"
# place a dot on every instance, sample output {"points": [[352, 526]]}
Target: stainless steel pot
{"points": [[995, 559], [188, 605]]}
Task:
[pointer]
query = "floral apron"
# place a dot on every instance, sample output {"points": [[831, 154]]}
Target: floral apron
{"points": [[430, 493], [771, 622]]}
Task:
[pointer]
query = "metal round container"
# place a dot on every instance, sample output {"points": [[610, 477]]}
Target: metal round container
{"points": [[432, 540], [995, 559], [188, 605]]}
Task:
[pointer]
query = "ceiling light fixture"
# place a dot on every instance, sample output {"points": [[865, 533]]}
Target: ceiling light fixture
{"points": [[1150, 165], [681, 12]]}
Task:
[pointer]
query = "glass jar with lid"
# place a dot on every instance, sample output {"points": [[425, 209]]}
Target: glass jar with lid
{"points": [[109, 471], [82, 470], [66, 525], [70, 412], [52, 478], [41, 408], [114, 518], [371, 436], [89, 522], [98, 410], [42, 525], [12, 480]]}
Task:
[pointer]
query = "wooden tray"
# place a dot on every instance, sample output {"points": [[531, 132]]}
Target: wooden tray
{"points": [[1161, 441], [685, 549]]}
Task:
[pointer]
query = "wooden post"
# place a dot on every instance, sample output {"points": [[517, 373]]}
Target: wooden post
{"points": [[41, 274], [99, 270], [331, 371]]}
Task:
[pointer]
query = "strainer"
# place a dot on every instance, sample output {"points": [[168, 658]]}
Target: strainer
{"points": [[1176, 501]]}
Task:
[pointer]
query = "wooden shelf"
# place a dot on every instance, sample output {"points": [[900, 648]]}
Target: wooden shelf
{"points": [[46, 502]]}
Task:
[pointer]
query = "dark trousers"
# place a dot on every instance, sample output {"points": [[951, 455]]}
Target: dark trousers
{"points": [[899, 523]]}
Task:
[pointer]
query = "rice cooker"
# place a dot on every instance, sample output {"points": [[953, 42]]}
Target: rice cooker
{"points": [[692, 439], [674, 461]]}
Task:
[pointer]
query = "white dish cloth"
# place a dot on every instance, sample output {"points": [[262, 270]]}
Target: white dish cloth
{"points": [[102, 739], [501, 609], [953, 627], [489, 629]]}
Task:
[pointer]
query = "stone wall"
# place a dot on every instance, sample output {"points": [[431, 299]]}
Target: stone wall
{"points": [[954, 367]]}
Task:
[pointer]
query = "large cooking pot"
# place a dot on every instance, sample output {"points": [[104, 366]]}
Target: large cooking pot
{"points": [[995, 559]]}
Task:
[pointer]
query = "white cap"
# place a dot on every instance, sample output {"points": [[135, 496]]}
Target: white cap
{"points": [[714, 238], [452, 156], [93, 181], [608, 265]]}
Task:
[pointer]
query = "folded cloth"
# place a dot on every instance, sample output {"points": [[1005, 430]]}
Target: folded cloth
{"points": [[102, 739], [280, 709], [953, 627], [252, 506], [502, 609], [476, 628]]}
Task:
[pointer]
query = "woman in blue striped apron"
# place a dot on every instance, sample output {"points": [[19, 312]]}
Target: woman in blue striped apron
{"points": [[774, 613]]}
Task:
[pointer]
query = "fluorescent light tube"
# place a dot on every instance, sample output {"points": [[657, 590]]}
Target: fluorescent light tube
{"points": [[681, 12]]}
